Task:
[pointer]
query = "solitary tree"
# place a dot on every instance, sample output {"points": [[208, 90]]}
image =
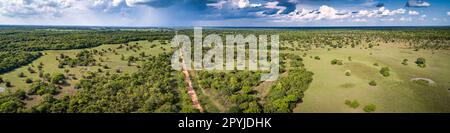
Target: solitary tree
{"points": [[420, 62], [385, 71]]}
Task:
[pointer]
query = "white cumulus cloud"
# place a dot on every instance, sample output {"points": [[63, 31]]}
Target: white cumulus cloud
{"points": [[413, 12]]}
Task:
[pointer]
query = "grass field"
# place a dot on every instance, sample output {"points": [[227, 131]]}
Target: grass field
{"points": [[110, 59], [396, 93]]}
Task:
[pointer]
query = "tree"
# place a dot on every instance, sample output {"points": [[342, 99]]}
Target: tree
{"points": [[421, 62], [336, 61], [317, 57], [21, 75], [385, 71], [348, 73], [353, 104], [58, 78], [370, 108], [8, 84], [373, 83], [405, 62], [28, 81]]}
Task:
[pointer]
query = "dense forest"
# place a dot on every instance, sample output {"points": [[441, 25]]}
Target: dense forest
{"points": [[14, 59]]}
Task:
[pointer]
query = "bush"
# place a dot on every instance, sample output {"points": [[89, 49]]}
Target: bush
{"points": [[348, 73], [349, 58], [369, 108], [28, 81], [405, 62], [1, 80], [385, 71], [422, 82], [353, 104], [336, 62], [21, 75], [317, 57], [8, 84], [375, 64], [373, 83], [58, 78], [420, 62]]}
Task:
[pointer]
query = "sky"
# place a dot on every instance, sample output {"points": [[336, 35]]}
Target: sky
{"points": [[295, 13]]}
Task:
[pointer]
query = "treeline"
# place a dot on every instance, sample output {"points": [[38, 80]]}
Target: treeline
{"points": [[14, 59], [38, 40], [424, 38]]}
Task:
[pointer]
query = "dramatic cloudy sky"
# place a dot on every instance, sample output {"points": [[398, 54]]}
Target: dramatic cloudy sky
{"points": [[226, 12]]}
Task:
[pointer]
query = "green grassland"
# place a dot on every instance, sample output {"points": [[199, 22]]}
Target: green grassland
{"points": [[112, 60], [396, 93]]}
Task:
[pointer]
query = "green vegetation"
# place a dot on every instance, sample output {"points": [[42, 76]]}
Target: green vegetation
{"points": [[288, 91], [385, 71], [12, 60], [336, 62], [421, 62], [348, 73], [353, 104], [405, 62], [370, 108], [373, 83], [422, 82]]}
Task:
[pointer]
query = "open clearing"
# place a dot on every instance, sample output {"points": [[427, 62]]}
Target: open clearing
{"points": [[396, 93]]}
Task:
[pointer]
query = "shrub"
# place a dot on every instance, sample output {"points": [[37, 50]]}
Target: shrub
{"points": [[405, 62], [348, 73], [369, 108], [375, 64], [422, 82], [385, 71], [28, 81], [420, 62], [373, 83], [336, 62], [8, 84], [317, 57], [349, 58], [21, 75], [353, 104], [58, 78], [1, 80]]}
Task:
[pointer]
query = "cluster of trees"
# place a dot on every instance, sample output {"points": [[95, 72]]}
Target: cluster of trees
{"points": [[385, 71], [14, 59], [12, 101], [336, 62], [83, 58], [233, 89], [288, 91]]}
